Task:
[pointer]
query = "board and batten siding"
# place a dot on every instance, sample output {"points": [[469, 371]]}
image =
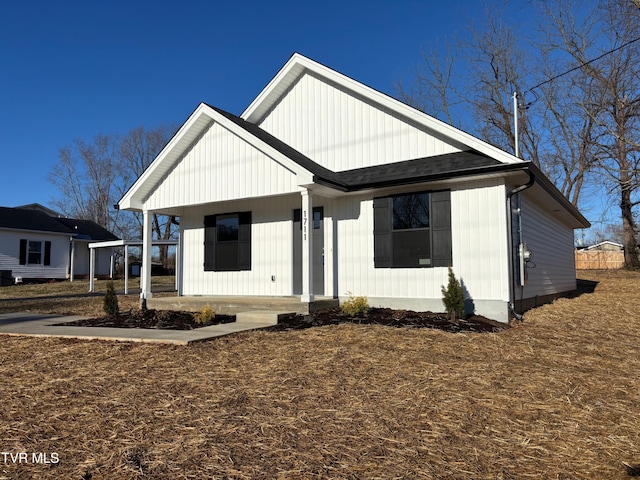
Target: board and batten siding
{"points": [[552, 244], [479, 244], [271, 249], [10, 254], [342, 132], [221, 166]]}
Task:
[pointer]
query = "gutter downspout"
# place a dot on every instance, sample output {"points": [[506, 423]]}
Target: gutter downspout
{"points": [[512, 279]]}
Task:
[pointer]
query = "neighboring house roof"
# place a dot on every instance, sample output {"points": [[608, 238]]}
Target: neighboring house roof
{"points": [[38, 220], [88, 229], [42, 208], [27, 219]]}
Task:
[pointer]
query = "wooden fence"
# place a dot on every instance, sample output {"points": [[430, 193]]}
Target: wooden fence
{"points": [[598, 260]]}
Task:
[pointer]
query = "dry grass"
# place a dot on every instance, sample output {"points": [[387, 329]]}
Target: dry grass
{"points": [[556, 398], [66, 298]]}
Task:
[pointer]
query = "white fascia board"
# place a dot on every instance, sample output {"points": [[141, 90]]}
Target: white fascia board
{"points": [[282, 80], [133, 199], [122, 243], [296, 66]]}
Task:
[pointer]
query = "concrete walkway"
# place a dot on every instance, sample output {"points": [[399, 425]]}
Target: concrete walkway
{"points": [[39, 325]]}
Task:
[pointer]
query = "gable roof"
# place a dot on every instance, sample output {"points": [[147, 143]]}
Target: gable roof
{"points": [[27, 219], [38, 220], [476, 158], [195, 126], [298, 65], [42, 208]]}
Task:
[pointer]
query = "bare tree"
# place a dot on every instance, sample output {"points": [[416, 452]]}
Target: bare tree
{"points": [[434, 90], [85, 176], [137, 150], [614, 109], [581, 122], [471, 84], [92, 176]]}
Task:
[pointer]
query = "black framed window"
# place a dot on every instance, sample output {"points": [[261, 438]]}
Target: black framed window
{"points": [[35, 252], [34, 255], [412, 230], [227, 245]]}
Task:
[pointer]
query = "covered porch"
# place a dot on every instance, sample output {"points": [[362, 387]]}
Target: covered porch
{"points": [[126, 244], [293, 280]]}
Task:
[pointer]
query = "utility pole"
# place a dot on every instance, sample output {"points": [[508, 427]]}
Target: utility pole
{"points": [[515, 124]]}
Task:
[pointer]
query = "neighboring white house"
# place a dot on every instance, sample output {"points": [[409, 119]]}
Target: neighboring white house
{"points": [[325, 187], [37, 244], [607, 245]]}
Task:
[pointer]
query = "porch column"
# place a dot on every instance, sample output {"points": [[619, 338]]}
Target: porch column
{"points": [[177, 268], [92, 268], [111, 265], [307, 247], [145, 274], [126, 269], [72, 261]]}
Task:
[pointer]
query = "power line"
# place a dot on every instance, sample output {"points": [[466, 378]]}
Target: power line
{"points": [[583, 65]]}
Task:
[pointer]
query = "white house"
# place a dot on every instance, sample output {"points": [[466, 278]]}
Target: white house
{"points": [[37, 244], [325, 187]]}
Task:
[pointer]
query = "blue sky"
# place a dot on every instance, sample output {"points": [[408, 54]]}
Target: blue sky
{"points": [[73, 69]]}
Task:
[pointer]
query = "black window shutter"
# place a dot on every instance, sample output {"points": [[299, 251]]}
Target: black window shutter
{"points": [[382, 238], [209, 243], [47, 252], [23, 251], [244, 241], [441, 229]]}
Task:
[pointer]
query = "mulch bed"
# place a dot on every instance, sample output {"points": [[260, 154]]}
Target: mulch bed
{"points": [[180, 320], [392, 318], [151, 318]]}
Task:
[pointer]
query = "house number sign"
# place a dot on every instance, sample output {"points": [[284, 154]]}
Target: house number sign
{"points": [[304, 225]]}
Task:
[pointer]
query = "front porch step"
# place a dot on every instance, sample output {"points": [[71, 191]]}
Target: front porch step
{"points": [[231, 305], [262, 317]]}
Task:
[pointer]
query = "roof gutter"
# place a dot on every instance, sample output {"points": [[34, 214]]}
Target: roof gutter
{"points": [[514, 248]]}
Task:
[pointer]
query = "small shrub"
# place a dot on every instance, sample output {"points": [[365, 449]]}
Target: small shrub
{"points": [[453, 297], [355, 306], [110, 301], [204, 315]]}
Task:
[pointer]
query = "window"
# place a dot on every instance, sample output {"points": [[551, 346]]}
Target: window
{"points": [[227, 245], [35, 252], [412, 230]]}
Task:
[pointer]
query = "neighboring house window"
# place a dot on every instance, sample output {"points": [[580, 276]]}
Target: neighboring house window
{"points": [[227, 242], [35, 252], [412, 230]]}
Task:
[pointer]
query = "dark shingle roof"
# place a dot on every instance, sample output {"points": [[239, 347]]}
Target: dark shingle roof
{"points": [[87, 229], [420, 169], [38, 220], [26, 219], [410, 171]]}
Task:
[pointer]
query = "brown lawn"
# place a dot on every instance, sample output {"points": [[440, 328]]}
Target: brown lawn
{"points": [[556, 398]]}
